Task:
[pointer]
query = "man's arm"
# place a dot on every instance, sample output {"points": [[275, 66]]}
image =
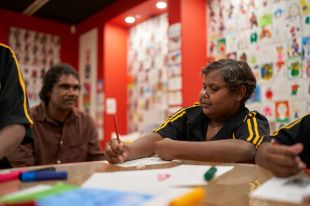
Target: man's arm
{"points": [[229, 150], [94, 151], [24, 154], [10, 137]]}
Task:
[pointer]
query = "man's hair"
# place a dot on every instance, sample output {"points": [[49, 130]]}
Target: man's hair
{"points": [[52, 76], [235, 74]]}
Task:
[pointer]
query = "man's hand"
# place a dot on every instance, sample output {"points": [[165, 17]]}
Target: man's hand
{"points": [[116, 152], [281, 160]]}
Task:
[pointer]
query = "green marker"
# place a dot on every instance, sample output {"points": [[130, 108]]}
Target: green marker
{"points": [[210, 173]]}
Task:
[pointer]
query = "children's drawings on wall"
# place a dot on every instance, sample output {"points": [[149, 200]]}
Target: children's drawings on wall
{"points": [[274, 38], [148, 61], [88, 71], [36, 53]]}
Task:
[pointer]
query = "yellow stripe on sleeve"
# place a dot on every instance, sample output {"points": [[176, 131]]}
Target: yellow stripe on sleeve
{"points": [[255, 130], [22, 84], [260, 141], [174, 117], [250, 130], [286, 127]]}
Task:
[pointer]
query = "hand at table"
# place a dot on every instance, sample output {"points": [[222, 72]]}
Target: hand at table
{"points": [[281, 160], [116, 152], [163, 149]]}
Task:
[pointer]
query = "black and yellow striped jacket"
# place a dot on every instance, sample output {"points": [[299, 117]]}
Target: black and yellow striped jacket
{"points": [[295, 132], [13, 99], [191, 124]]}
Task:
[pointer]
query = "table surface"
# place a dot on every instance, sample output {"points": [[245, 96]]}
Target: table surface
{"points": [[231, 189]]}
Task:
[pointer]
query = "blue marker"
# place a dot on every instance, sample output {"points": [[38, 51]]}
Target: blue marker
{"points": [[43, 175]]}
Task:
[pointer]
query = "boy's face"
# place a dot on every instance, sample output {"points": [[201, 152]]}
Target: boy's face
{"points": [[64, 94], [216, 100]]}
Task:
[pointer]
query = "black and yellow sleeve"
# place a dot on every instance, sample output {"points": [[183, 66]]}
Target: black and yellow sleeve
{"points": [[14, 108], [173, 127], [253, 128], [296, 131]]}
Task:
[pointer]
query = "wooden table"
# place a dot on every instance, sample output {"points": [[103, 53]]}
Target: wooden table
{"points": [[231, 189]]}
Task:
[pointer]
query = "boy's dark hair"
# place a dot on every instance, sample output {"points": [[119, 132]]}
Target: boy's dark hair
{"points": [[52, 76], [235, 74]]}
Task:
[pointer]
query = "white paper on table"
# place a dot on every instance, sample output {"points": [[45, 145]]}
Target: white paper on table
{"points": [[157, 181], [144, 161], [290, 190]]}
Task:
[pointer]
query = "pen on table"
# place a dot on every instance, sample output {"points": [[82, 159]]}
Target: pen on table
{"points": [[116, 130], [210, 173], [43, 175], [15, 174], [192, 198]]}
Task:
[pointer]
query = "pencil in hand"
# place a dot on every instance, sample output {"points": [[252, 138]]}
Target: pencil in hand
{"points": [[116, 130]]}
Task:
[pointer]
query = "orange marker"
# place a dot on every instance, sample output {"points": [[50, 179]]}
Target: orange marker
{"points": [[192, 198]]}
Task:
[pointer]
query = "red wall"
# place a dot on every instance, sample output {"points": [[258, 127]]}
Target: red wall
{"points": [[115, 73], [69, 43], [112, 64], [193, 19]]}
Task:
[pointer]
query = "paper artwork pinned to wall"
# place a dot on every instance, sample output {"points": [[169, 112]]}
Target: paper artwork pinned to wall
{"points": [[148, 61], [36, 53], [282, 111], [274, 40]]}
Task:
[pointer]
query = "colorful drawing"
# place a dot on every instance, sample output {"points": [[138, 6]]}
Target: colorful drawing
{"points": [[294, 89], [254, 37], [267, 71], [268, 111], [269, 94], [221, 45], [280, 58], [282, 111], [294, 67], [256, 96]]}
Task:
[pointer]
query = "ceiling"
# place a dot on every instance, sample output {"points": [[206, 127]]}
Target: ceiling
{"points": [[141, 12], [64, 11]]}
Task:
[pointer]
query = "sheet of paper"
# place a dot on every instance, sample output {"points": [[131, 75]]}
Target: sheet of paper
{"points": [[143, 162], [94, 197], [290, 190], [153, 182]]}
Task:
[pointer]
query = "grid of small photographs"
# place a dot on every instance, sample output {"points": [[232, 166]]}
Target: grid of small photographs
{"points": [[36, 53], [147, 70], [175, 98], [274, 38]]}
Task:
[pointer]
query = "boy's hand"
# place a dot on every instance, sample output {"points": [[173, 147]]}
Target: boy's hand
{"points": [[116, 152]]}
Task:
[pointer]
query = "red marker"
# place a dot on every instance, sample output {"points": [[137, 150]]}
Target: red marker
{"points": [[13, 175]]}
